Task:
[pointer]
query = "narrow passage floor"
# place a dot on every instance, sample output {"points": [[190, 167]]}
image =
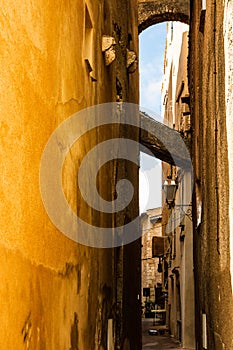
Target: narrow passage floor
{"points": [[160, 340]]}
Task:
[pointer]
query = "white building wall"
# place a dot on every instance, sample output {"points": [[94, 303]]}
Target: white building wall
{"points": [[181, 280], [175, 32]]}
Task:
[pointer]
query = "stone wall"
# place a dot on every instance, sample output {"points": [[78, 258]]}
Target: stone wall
{"points": [[150, 227], [208, 74], [156, 11], [228, 33], [55, 293]]}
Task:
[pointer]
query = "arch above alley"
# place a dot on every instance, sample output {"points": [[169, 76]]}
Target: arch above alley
{"points": [[156, 11], [164, 142]]}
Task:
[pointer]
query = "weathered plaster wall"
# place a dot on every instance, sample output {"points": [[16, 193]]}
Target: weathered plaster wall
{"points": [[56, 294], [228, 34], [208, 74]]}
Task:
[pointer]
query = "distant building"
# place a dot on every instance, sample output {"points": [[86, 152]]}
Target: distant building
{"points": [[151, 266]]}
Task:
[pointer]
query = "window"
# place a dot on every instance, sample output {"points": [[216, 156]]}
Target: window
{"points": [[203, 4], [88, 48]]}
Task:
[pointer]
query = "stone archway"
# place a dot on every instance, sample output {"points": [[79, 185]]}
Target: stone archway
{"points": [[155, 11], [164, 143]]}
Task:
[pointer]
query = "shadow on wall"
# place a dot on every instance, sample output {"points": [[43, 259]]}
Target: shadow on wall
{"points": [[74, 333]]}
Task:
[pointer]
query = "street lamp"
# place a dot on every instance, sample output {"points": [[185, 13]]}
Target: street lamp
{"points": [[170, 188]]}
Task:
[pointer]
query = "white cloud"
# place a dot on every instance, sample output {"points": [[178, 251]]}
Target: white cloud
{"points": [[150, 87], [150, 188], [152, 95], [143, 191]]}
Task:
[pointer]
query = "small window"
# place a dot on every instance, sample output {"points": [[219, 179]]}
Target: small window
{"points": [[203, 5], [88, 48], [202, 16], [204, 331]]}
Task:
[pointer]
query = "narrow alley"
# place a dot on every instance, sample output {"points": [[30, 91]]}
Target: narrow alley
{"points": [[160, 339], [83, 266]]}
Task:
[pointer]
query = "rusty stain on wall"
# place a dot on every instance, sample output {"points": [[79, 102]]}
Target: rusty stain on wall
{"points": [[74, 333], [27, 331]]}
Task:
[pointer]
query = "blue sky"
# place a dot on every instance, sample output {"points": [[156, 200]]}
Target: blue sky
{"points": [[151, 61]]}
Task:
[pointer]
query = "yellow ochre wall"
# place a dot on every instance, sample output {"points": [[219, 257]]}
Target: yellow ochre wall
{"points": [[54, 293]]}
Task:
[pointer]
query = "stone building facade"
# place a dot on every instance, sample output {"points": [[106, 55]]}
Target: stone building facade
{"points": [[55, 293], [177, 219], [210, 86], [151, 278]]}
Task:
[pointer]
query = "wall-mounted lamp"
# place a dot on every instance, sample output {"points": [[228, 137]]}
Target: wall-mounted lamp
{"points": [[170, 187]]}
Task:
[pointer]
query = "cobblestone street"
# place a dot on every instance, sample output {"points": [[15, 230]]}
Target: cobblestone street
{"points": [[161, 341]]}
